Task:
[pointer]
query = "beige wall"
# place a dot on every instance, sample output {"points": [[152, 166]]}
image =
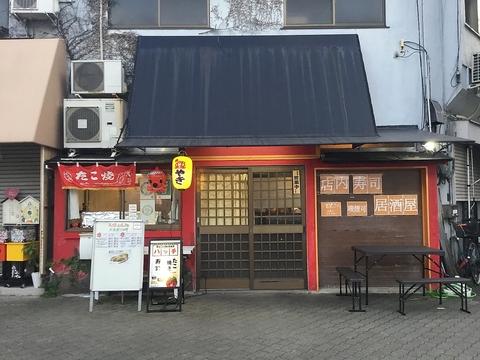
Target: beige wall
{"points": [[32, 89]]}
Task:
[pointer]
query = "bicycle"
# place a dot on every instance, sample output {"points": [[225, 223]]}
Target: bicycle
{"points": [[465, 248]]}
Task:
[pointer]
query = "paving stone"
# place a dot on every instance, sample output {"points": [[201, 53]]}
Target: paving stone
{"points": [[236, 325]]}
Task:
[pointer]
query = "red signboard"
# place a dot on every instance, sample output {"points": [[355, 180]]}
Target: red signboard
{"points": [[97, 176]]}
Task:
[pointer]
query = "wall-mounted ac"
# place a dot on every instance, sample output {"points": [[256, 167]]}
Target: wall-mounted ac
{"points": [[475, 80], [92, 123], [97, 77], [34, 9]]}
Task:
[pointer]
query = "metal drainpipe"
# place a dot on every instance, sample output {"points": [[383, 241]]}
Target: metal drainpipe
{"points": [[468, 180], [42, 226], [101, 29]]}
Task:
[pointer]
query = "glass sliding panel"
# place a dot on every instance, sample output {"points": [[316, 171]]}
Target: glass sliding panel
{"points": [[309, 12], [133, 14], [368, 12]]}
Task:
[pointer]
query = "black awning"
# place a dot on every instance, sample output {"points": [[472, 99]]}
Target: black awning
{"points": [[381, 156], [248, 90]]}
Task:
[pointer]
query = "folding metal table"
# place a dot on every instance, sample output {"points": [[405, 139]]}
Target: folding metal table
{"points": [[420, 253]]}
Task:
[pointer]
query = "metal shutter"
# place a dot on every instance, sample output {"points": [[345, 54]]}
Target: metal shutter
{"points": [[20, 167]]}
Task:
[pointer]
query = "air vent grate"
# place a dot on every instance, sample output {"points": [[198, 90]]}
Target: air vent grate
{"points": [[88, 77], [24, 4], [83, 124], [476, 69]]}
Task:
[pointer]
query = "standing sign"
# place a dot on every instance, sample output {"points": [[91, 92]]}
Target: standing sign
{"points": [[117, 257], [165, 271]]}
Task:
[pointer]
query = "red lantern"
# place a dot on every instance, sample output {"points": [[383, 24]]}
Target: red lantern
{"points": [[157, 181]]}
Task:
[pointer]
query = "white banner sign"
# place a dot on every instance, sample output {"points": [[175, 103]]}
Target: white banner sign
{"points": [[165, 264], [117, 255]]}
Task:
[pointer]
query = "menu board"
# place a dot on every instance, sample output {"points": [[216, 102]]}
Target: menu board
{"points": [[117, 255], [165, 264]]}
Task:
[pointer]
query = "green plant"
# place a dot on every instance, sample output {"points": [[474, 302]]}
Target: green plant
{"points": [[31, 251]]}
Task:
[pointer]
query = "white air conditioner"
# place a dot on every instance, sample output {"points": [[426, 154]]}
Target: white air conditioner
{"points": [[34, 9], [92, 123], [475, 80], [97, 77]]}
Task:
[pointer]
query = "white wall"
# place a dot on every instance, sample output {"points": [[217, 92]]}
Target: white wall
{"points": [[395, 83]]}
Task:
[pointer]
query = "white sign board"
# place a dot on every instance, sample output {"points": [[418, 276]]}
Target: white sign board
{"points": [[117, 255], [165, 263]]}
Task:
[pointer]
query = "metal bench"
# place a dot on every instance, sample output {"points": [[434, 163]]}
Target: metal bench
{"points": [[353, 286], [415, 285]]}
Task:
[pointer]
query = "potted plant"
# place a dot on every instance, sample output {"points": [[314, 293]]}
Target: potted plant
{"points": [[31, 251]]}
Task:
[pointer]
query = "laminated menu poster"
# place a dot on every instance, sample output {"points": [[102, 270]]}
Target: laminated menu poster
{"points": [[117, 255], [165, 264]]}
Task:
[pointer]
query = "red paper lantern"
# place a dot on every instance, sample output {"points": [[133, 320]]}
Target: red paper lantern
{"points": [[157, 181]]}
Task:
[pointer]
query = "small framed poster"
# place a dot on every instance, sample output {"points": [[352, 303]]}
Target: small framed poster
{"points": [[165, 274]]}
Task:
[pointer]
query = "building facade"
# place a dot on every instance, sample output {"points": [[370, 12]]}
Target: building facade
{"points": [[263, 214]]}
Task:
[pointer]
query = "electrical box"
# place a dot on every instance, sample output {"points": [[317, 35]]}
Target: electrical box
{"points": [[450, 211]]}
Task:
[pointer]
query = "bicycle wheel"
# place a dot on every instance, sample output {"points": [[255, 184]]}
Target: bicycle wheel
{"points": [[455, 255], [474, 253]]}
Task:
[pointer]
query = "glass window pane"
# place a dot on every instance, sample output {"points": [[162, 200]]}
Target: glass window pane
{"points": [[309, 12], [133, 14], [359, 12], [471, 13], [183, 12]]}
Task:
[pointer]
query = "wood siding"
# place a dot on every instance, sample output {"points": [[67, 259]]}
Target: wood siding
{"points": [[336, 235]]}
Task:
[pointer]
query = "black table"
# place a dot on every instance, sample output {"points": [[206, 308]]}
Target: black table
{"points": [[418, 252]]}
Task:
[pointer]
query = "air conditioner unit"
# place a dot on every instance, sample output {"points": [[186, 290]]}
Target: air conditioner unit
{"points": [[97, 77], [34, 9], [92, 123], [475, 80]]}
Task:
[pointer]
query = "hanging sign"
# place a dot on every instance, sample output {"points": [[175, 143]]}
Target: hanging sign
{"points": [[97, 176], [182, 169]]}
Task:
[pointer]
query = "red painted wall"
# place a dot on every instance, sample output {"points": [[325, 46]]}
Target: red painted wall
{"points": [[66, 241]]}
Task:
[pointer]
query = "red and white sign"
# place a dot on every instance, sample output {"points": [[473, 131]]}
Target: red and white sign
{"points": [[97, 176]]}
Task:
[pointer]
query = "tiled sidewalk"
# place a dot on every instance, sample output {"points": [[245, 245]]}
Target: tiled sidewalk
{"points": [[238, 325]]}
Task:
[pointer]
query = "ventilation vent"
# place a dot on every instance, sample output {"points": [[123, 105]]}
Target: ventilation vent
{"points": [[83, 124], [88, 77], [476, 69]]}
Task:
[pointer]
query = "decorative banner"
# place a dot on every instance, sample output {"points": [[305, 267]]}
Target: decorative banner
{"points": [[30, 210], [357, 208], [381, 205], [11, 193], [157, 181], [165, 264], [411, 205], [367, 184], [334, 184], [296, 182], [375, 184], [182, 170], [331, 209], [396, 205], [97, 176]]}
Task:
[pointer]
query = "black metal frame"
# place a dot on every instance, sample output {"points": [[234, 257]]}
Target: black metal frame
{"points": [[404, 295], [368, 266], [353, 288]]}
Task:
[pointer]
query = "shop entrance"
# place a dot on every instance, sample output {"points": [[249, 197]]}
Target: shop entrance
{"points": [[251, 228]]}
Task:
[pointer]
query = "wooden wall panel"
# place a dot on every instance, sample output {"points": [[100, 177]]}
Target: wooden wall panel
{"points": [[336, 235]]}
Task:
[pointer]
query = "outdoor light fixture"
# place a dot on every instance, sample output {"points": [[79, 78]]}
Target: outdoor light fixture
{"points": [[430, 146]]}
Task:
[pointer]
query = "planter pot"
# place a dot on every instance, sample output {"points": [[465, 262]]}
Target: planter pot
{"points": [[36, 279]]}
